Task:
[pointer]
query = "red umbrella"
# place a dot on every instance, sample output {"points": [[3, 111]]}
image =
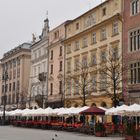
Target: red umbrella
{"points": [[93, 111]]}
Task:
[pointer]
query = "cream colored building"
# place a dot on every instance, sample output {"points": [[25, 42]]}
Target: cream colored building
{"points": [[39, 68], [88, 39], [16, 63], [56, 67]]}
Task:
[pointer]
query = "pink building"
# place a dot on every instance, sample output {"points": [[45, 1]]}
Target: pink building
{"points": [[56, 67]]}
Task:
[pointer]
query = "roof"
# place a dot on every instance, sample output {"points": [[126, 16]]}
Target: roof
{"points": [[23, 46], [88, 11]]}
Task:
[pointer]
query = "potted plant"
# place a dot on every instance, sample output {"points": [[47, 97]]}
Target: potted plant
{"points": [[99, 129], [130, 131]]}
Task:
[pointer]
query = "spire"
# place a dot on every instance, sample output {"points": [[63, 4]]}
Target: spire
{"points": [[45, 30]]}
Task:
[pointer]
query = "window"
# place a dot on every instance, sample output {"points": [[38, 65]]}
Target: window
{"points": [[39, 69], [60, 87], [18, 86], [68, 49], [56, 34], [84, 61], [68, 66], [10, 87], [61, 64], [103, 56], [44, 66], [94, 84], [51, 69], [76, 45], [45, 50], [13, 99], [76, 64], [18, 61], [134, 40], [94, 38], [77, 86], [104, 11], [85, 42], [134, 7], [14, 74], [51, 55], [14, 63], [115, 53], [61, 49], [9, 99], [103, 81], [103, 33], [115, 28], [10, 75], [77, 26], [18, 72], [69, 87], [10, 64], [135, 73], [39, 52], [14, 86], [93, 59], [51, 89], [35, 55]]}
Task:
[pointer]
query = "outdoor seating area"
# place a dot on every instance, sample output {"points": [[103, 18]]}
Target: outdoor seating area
{"points": [[125, 120]]}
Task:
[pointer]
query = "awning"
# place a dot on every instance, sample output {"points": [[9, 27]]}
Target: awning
{"points": [[93, 111]]}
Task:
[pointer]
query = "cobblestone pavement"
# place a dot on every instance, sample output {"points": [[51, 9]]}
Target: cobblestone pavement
{"points": [[15, 133]]}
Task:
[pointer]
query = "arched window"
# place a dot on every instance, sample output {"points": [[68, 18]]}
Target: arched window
{"points": [[93, 104], [103, 104]]}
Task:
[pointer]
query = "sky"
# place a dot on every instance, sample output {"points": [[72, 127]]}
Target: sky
{"points": [[20, 18]]}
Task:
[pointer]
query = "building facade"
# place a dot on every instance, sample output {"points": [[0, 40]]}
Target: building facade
{"points": [[56, 67], [39, 69], [15, 66], [131, 50], [89, 38]]}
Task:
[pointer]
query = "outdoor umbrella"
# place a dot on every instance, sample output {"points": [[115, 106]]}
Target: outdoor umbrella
{"points": [[93, 111], [133, 110]]}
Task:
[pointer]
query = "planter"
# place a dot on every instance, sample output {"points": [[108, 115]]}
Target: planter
{"points": [[127, 137], [99, 134]]}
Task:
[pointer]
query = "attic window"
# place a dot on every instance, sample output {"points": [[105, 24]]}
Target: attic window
{"points": [[56, 34], [104, 11], [77, 26]]}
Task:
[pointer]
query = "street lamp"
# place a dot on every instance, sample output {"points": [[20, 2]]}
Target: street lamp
{"points": [[5, 78]]}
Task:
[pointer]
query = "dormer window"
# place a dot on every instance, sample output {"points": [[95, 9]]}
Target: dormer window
{"points": [[56, 34], [77, 26], [104, 11]]}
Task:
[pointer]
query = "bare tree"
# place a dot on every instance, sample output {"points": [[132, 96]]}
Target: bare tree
{"points": [[21, 98], [111, 76], [81, 82]]}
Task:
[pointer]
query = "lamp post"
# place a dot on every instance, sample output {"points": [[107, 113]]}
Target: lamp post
{"points": [[5, 78]]}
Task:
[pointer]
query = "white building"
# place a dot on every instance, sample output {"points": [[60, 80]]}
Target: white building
{"points": [[39, 68]]}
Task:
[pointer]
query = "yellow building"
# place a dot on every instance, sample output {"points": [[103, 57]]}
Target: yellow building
{"points": [[88, 40]]}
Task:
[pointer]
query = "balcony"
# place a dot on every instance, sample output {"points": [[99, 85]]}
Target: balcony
{"points": [[42, 76]]}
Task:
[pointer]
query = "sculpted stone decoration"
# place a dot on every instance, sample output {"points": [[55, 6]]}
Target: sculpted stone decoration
{"points": [[60, 76], [51, 78]]}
